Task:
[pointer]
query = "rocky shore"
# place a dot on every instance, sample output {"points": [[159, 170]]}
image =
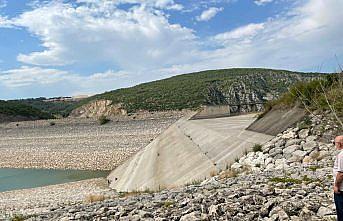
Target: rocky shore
{"points": [[76, 143], [288, 178]]}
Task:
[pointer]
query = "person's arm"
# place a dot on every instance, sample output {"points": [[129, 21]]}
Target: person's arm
{"points": [[339, 180]]}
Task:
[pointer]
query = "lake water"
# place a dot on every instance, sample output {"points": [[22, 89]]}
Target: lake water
{"points": [[13, 179]]}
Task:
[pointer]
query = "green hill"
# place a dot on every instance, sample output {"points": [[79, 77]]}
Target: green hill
{"points": [[58, 108], [12, 110], [229, 86]]}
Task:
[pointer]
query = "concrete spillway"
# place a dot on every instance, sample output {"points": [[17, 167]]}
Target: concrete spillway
{"points": [[189, 150]]}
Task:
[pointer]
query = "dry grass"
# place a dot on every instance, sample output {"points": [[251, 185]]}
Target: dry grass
{"points": [[94, 198], [228, 174], [213, 173]]}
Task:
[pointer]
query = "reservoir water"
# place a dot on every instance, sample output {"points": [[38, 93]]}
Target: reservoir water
{"points": [[13, 179]]}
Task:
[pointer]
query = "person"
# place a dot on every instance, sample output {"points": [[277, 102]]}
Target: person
{"points": [[338, 178]]}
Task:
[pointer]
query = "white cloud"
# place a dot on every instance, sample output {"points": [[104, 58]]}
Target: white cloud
{"points": [[137, 38], [302, 39], [35, 82], [262, 2], [143, 43], [5, 23], [241, 34], [160, 4], [209, 14], [26, 76]]}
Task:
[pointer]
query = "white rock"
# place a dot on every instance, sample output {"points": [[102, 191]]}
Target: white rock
{"points": [[311, 138], [323, 211], [309, 146], [270, 166], [291, 149], [251, 154], [268, 161], [236, 166], [289, 135], [303, 133]]}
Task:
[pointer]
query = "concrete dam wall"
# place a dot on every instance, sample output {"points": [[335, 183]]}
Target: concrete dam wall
{"points": [[189, 150], [207, 112], [277, 121]]}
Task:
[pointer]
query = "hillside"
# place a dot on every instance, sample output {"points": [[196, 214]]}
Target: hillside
{"points": [[58, 108], [317, 97], [189, 91], [13, 110]]}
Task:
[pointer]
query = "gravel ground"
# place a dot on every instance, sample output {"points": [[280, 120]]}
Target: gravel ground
{"points": [[37, 200], [76, 143]]}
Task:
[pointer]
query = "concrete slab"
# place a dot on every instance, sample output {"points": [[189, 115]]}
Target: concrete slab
{"points": [[277, 120], [187, 151]]}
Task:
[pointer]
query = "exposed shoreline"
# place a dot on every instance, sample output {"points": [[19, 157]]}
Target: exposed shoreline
{"points": [[71, 143], [76, 143], [42, 199]]}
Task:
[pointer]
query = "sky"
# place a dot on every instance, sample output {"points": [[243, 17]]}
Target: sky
{"points": [[83, 47]]}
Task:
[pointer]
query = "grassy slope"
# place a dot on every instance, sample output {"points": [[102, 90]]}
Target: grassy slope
{"points": [[315, 95], [192, 90], [14, 108], [53, 108]]}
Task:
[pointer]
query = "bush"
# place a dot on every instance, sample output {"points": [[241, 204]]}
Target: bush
{"points": [[103, 120], [52, 123], [257, 148], [18, 218]]}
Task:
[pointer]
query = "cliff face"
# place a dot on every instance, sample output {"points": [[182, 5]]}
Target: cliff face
{"points": [[99, 108]]}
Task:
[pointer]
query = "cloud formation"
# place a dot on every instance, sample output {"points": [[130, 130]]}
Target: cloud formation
{"points": [[209, 14], [103, 33], [262, 2], [141, 44]]}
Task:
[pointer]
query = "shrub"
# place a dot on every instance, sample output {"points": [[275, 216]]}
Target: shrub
{"points": [[103, 120], [52, 123], [285, 180], [17, 218], [257, 148], [168, 203]]}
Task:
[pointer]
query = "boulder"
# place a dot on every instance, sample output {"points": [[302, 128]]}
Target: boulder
{"points": [[303, 133], [291, 149], [292, 142], [297, 156], [323, 211], [289, 135], [307, 160], [311, 138], [309, 146]]}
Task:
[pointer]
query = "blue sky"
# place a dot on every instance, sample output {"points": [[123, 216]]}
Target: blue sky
{"points": [[60, 48]]}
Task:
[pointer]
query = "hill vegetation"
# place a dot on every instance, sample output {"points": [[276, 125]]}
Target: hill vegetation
{"points": [[189, 91], [17, 109], [319, 95], [58, 108]]}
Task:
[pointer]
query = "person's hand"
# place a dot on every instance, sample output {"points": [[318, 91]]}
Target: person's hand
{"points": [[336, 190]]}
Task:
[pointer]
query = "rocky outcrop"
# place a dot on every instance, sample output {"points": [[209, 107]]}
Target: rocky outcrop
{"points": [[99, 108], [243, 98]]}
